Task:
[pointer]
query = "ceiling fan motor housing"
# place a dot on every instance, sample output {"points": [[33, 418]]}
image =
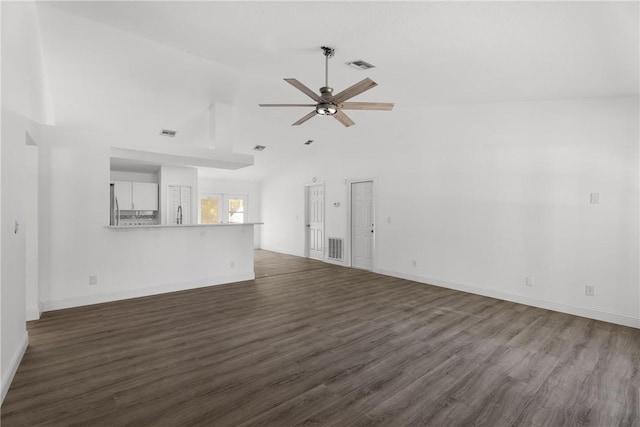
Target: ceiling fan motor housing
{"points": [[326, 108]]}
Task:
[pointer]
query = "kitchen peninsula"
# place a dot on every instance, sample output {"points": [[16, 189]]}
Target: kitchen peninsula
{"points": [[154, 259]]}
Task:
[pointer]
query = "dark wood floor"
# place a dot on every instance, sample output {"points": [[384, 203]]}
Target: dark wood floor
{"points": [[308, 343]]}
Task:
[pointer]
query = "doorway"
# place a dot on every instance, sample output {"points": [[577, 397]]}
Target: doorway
{"points": [[314, 235], [362, 225]]}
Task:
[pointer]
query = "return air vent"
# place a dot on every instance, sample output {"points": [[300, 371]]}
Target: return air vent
{"points": [[168, 132], [361, 65], [335, 249]]}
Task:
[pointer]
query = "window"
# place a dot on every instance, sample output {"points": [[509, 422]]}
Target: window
{"points": [[236, 210], [209, 211], [223, 208]]}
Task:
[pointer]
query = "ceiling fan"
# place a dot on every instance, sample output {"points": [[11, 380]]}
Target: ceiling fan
{"points": [[328, 104]]}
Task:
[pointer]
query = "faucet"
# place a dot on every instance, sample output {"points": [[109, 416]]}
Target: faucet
{"points": [[117, 212], [179, 219]]}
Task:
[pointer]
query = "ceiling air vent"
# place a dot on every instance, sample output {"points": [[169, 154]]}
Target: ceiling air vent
{"points": [[167, 132], [259, 147], [309, 142], [360, 64]]}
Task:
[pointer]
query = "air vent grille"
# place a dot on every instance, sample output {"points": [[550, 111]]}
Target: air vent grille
{"points": [[309, 142], [361, 65], [259, 147], [335, 249], [168, 132]]}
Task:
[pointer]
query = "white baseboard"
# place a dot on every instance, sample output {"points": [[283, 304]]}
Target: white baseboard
{"points": [[143, 292], [33, 313], [280, 251], [14, 364], [591, 313], [334, 262]]}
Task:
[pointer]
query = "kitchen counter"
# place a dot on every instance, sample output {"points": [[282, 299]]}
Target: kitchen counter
{"points": [[130, 227]]}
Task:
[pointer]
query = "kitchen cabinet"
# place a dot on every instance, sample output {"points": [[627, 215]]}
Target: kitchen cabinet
{"points": [[139, 196], [179, 205], [145, 196], [123, 194]]}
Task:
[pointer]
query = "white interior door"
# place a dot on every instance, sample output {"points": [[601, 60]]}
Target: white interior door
{"points": [[315, 223], [362, 225]]}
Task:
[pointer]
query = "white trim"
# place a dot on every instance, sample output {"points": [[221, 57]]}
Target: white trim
{"points": [[136, 293], [33, 313], [334, 262], [591, 313], [374, 204], [14, 364], [282, 251]]}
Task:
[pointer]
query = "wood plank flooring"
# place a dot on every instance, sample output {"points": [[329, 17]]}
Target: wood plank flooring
{"points": [[309, 343]]}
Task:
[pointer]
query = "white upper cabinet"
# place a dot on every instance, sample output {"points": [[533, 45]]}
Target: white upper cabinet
{"points": [[138, 196], [124, 197], [145, 196]]}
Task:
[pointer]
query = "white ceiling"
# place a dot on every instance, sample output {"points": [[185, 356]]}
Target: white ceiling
{"points": [[138, 67]]}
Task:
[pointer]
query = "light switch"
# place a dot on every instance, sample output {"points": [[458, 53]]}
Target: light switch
{"points": [[595, 198]]}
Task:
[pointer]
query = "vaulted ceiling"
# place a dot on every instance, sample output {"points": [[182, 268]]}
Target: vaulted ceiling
{"points": [[137, 67]]}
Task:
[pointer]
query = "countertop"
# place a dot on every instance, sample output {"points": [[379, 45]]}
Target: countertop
{"points": [[132, 227]]}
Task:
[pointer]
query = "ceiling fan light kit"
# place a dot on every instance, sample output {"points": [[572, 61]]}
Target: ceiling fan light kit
{"points": [[328, 104]]}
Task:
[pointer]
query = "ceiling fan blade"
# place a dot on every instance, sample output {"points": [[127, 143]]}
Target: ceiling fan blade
{"points": [[354, 90], [344, 119], [286, 105], [383, 106], [302, 88], [305, 118]]}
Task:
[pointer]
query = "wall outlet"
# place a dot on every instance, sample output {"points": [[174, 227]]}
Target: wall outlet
{"points": [[529, 281], [93, 280], [594, 198], [590, 290], [414, 263]]}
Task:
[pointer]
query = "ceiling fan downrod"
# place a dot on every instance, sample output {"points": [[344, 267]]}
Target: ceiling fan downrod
{"points": [[328, 53], [326, 108]]}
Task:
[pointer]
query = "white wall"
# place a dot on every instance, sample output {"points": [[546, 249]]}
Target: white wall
{"points": [[31, 233], [250, 188], [25, 101], [13, 291], [482, 196]]}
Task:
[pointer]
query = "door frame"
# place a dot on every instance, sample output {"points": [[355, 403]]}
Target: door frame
{"points": [[374, 215], [306, 217]]}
